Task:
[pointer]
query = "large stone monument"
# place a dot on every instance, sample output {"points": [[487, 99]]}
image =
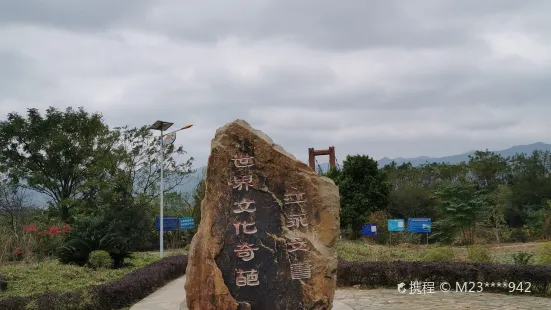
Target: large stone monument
{"points": [[269, 229]]}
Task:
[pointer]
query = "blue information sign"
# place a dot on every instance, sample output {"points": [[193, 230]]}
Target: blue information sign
{"points": [[420, 225], [186, 223], [369, 230], [170, 223], [396, 225]]}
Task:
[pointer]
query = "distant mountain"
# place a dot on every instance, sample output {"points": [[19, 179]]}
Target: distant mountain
{"points": [[187, 186], [194, 179], [191, 181], [455, 159]]}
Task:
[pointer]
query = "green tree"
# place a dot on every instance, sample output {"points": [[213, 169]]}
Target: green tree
{"points": [[128, 201], [410, 196], [489, 169], [64, 155], [333, 173], [460, 205], [494, 213], [363, 189], [15, 209], [143, 162], [530, 185], [176, 205], [539, 222], [198, 196]]}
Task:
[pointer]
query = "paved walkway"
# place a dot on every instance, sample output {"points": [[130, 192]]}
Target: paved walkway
{"points": [[172, 296]]}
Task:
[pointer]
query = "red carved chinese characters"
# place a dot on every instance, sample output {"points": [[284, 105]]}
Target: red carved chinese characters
{"points": [[243, 161], [246, 278], [243, 181], [296, 220], [301, 271], [245, 251], [245, 225], [294, 199], [244, 206], [297, 244]]}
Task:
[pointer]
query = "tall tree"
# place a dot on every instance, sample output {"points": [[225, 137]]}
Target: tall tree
{"points": [[143, 162], [64, 155], [333, 173], [530, 185], [488, 169], [14, 206], [198, 197], [363, 189], [494, 213], [460, 206], [409, 195], [128, 201]]}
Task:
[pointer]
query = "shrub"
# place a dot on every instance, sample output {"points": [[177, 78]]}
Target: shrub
{"points": [[76, 300], [479, 254], [7, 240], [3, 284], [77, 251], [439, 254], [125, 219], [388, 274], [13, 247], [380, 218], [15, 303], [407, 237], [18, 254], [139, 283], [522, 258], [544, 253], [100, 259], [117, 294], [383, 255], [49, 239]]}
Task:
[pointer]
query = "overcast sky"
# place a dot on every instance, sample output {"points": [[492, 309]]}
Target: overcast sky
{"points": [[382, 78]]}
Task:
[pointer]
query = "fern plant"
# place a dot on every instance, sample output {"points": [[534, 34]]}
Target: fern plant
{"points": [[77, 250], [522, 258]]}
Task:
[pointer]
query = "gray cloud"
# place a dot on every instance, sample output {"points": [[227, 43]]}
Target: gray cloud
{"points": [[352, 25], [72, 14], [384, 78]]}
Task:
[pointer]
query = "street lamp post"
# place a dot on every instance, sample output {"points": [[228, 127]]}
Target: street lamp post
{"points": [[162, 127]]}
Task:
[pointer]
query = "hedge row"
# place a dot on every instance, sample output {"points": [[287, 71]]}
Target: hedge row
{"points": [[116, 294], [140, 283], [389, 274]]}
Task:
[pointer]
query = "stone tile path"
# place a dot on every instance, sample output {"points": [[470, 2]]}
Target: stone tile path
{"points": [[172, 296], [391, 299]]}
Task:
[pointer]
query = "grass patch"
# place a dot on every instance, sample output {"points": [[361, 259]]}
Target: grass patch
{"points": [[50, 275], [116, 294], [362, 251], [441, 254], [479, 254]]}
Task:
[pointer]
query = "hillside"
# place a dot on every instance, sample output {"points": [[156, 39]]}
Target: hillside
{"points": [[192, 181], [189, 184], [455, 159]]}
